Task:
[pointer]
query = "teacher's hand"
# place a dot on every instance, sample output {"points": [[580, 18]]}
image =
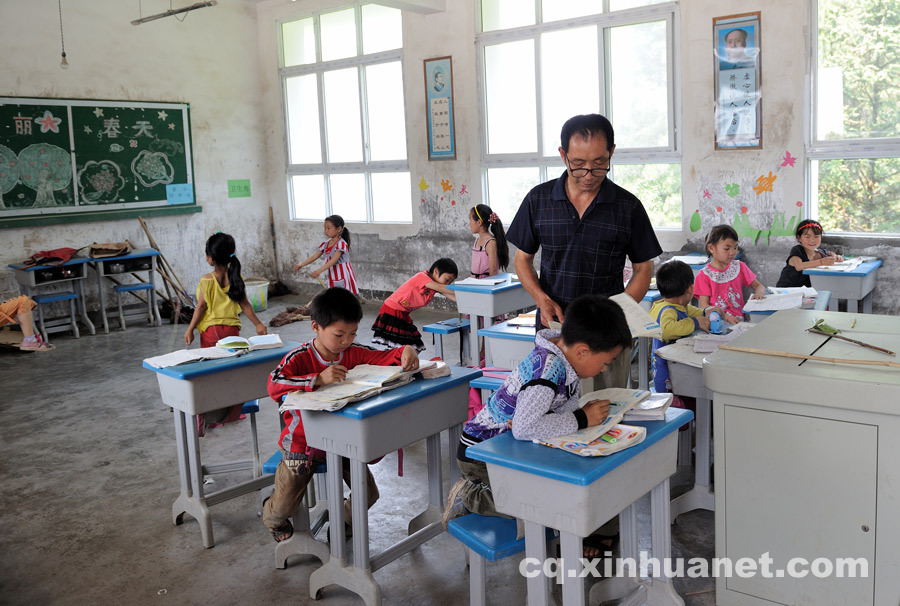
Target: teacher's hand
{"points": [[549, 310]]}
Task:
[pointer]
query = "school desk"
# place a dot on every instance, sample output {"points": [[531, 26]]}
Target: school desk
{"points": [[507, 344], [113, 268], [551, 488], [806, 459], [821, 304], [645, 343], [370, 429], [855, 285], [192, 389], [486, 302], [73, 272]]}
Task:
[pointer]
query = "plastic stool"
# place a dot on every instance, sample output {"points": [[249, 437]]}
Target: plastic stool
{"points": [[488, 538], [133, 288], [449, 327], [62, 296]]}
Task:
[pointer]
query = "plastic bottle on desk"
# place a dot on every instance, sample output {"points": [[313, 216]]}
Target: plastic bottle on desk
{"points": [[715, 323]]}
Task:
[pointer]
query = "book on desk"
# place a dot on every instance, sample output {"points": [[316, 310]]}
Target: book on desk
{"points": [[250, 343]]}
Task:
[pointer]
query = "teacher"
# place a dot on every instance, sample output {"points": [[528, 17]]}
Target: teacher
{"points": [[585, 226]]}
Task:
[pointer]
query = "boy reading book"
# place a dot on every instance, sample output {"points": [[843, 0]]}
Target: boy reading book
{"points": [[540, 397], [335, 315]]}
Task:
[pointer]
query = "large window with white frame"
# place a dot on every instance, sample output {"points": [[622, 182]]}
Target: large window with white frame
{"points": [[544, 61], [854, 145], [344, 111]]}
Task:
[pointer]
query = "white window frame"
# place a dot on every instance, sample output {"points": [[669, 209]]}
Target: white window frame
{"points": [[841, 149], [550, 166], [367, 166]]}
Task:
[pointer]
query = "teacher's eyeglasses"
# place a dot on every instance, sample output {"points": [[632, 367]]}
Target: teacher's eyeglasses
{"points": [[581, 172]]}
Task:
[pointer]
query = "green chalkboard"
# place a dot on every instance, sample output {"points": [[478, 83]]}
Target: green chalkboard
{"points": [[66, 159]]}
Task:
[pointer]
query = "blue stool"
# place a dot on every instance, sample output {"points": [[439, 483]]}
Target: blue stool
{"points": [[133, 288], [61, 296], [449, 327], [486, 385], [303, 541], [488, 538]]}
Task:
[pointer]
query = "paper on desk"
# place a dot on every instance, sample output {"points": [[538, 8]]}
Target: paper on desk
{"points": [[480, 281], [775, 302], [184, 356], [848, 265], [707, 343], [690, 259], [805, 291], [529, 319], [639, 321]]}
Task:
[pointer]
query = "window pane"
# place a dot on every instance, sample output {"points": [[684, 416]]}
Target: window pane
{"points": [[507, 187], [303, 119], [338, 35], [509, 84], [308, 197], [342, 121], [555, 10], [502, 14], [639, 85], [568, 63], [348, 196], [387, 123], [299, 42], [657, 186], [858, 195], [391, 197], [382, 28], [857, 76], [617, 5]]}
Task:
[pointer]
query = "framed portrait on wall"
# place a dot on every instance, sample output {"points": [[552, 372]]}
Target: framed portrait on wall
{"points": [[439, 108], [738, 71]]}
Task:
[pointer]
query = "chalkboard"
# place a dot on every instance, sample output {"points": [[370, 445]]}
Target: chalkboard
{"points": [[66, 159]]}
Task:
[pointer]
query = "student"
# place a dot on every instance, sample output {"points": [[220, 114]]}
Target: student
{"points": [[675, 315], [490, 253], [806, 255], [221, 297], [18, 309], [336, 250], [721, 281], [394, 325], [335, 315], [540, 397]]}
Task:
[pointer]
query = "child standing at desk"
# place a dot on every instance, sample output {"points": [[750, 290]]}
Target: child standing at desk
{"points": [[334, 314], [722, 280], [675, 315], [336, 250], [394, 326], [806, 255], [490, 253], [540, 397], [221, 297]]}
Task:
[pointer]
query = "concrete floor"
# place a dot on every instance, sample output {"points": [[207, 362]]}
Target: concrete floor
{"points": [[88, 469]]}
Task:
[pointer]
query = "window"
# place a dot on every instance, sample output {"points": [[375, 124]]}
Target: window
{"points": [[339, 70], [854, 151], [543, 61]]}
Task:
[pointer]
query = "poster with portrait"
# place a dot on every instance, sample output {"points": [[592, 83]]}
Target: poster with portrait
{"points": [[439, 108], [738, 89]]}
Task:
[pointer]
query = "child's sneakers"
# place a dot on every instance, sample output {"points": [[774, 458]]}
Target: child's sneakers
{"points": [[35, 343], [455, 507]]}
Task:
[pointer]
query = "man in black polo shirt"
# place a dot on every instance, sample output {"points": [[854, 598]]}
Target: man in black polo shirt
{"points": [[585, 225]]}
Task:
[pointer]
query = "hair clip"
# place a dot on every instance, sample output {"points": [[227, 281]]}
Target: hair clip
{"points": [[493, 218]]}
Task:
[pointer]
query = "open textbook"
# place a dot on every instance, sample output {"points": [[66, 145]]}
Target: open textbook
{"points": [[791, 300], [640, 322], [617, 438], [363, 381], [652, 409], [185, 356], [250, 343]]}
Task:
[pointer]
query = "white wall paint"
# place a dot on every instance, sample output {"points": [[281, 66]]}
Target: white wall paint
{"points": [[209, 60]]}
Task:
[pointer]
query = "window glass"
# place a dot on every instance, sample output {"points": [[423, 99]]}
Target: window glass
{"points": [[392, 197], [387, 122], [299, 42], [342, 119], [308, 197], [511, 106], [382, 28], [507, 187], [617, 5], [857, 195], [303, 119], [657, 186], [348, 196], [570, 80], [503, 14], [557, 10], [338, 35]]}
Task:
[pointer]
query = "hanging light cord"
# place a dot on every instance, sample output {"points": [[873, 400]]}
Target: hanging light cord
{"points": [[62, 38]]}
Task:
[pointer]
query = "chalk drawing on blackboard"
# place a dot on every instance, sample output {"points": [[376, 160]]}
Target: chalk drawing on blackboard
{"points": [[9, 172], [115, 147], [152, 168], [98, 112], [100, 182], [48, 122], [45, 168]]}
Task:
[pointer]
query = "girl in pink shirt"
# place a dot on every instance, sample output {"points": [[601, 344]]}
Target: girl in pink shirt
{"points": [[722, 281], [490, 253], [394, 326]]}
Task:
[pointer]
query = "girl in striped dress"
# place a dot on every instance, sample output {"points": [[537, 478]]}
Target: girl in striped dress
{"points": [[336, 250]]}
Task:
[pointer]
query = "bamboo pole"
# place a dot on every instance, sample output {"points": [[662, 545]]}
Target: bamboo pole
{"points": [[785, 354]]}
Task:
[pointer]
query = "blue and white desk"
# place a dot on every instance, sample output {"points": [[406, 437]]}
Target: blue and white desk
{"points": [[487, 302], [855, 286], [549, 488], [192, 389], [370, 429], [822, 301], [136, 261], [74, 271], [645, 343], [507, 344]]}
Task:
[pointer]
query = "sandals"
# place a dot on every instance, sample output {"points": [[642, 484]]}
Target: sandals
{"points": [[283, 532]]}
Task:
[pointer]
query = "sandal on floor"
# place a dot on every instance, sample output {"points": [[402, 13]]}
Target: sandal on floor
{"points": [[282, 532]]}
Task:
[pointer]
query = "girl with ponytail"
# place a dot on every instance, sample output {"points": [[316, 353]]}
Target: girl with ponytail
{"points": [[490, 253], [336, 251], [221, 297]]}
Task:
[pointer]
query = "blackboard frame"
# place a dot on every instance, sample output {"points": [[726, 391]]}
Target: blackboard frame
{"points": [[139, 172]]}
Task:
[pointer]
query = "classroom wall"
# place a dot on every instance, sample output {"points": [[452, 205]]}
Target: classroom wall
{"points": [[208, 60]]}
